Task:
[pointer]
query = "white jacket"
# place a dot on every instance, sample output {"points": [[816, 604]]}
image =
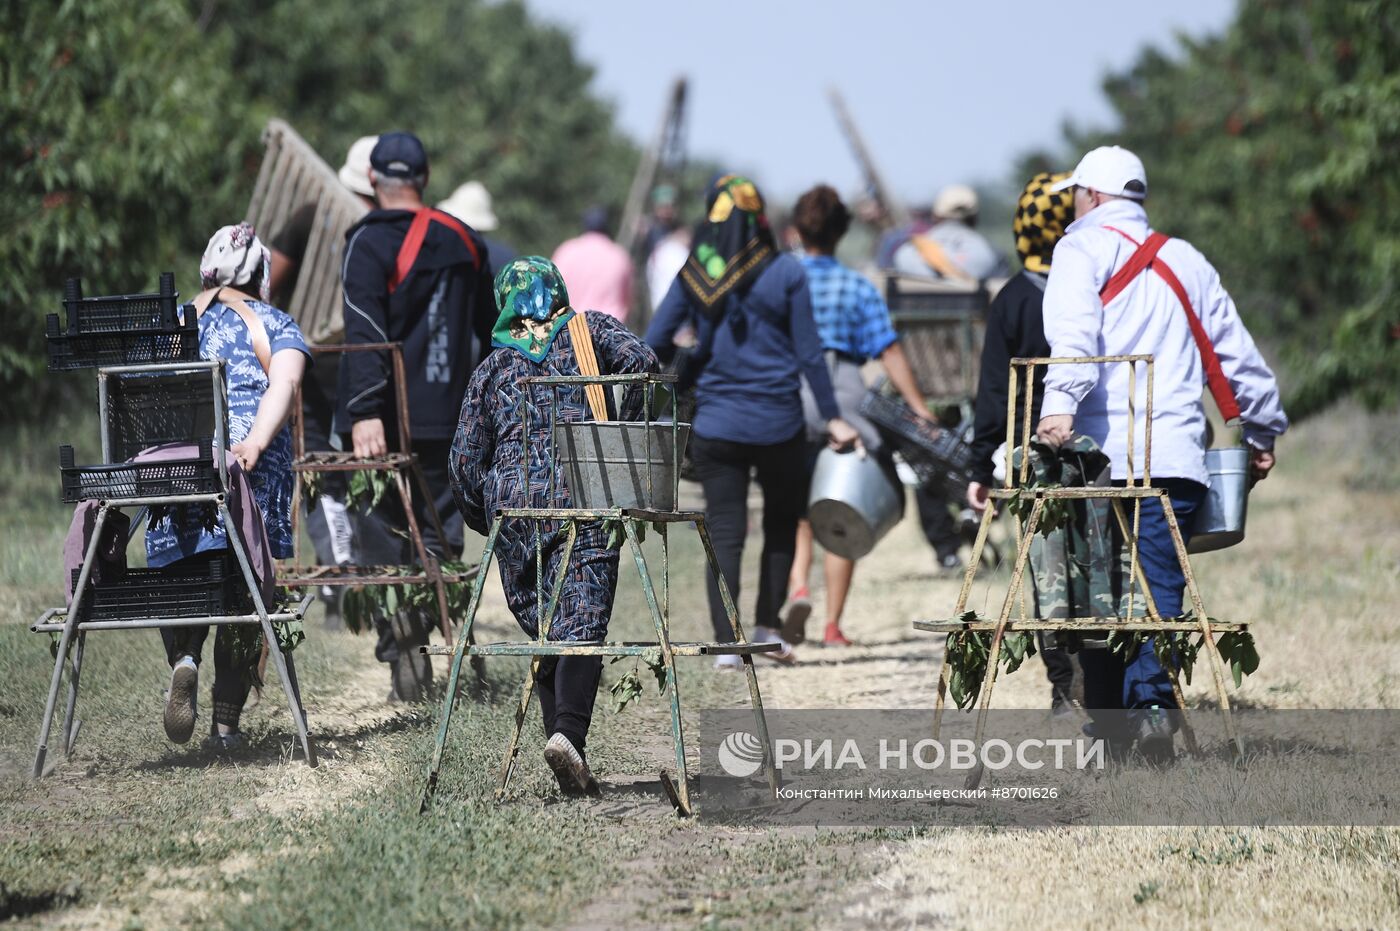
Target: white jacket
{"points": [[1147, 318]]}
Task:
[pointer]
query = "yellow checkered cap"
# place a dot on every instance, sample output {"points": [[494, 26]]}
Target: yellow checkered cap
{"points": [[1041, 218]]}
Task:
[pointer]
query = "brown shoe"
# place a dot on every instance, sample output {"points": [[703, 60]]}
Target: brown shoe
{"points": [[794, 613]]}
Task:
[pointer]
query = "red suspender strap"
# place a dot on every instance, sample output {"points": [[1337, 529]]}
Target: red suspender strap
{"points": [[413, 242], [1146, 257], [1137, 263]]}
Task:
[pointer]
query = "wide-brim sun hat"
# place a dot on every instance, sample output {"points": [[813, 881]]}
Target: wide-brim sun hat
{"points": [[471, 203], [354, 174]]}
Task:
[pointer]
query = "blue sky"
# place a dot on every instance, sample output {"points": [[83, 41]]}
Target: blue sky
{"points": [[942, 91]]}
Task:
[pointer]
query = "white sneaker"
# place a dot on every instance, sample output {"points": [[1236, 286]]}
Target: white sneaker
{"points": [[180, 701], [785, 656], [729, 661], [575, 778]]}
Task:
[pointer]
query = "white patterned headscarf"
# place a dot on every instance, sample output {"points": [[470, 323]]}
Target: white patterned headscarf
{"points": [[234, 256]]}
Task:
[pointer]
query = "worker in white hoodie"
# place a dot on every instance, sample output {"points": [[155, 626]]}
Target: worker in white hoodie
{"points": [[1118, 288]]}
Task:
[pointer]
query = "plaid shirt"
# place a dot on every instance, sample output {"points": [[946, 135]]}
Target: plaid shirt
{"points": [[851, 316]]}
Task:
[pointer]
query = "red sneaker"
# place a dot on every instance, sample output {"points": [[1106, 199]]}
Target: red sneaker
{"points": [[834, 637]]}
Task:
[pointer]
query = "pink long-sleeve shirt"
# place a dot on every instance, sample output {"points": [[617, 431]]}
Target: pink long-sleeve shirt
{"points": [[598, 274]]}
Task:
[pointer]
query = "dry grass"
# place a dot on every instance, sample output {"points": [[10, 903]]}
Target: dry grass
{"points": [[154, 836], [1318, 578]]}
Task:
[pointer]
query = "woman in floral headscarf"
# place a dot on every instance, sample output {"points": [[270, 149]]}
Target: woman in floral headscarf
{"points": [[264, 356], [751, 311], [532, 338]]}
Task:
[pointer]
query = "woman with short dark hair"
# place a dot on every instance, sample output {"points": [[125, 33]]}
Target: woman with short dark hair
{"points": [[854, 325]]}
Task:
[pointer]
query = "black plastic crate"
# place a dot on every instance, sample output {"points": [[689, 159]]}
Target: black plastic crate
{"points": [[139, 479], [932, 474], [195, 588], [120, 329], [152, 409], [935, 453]]}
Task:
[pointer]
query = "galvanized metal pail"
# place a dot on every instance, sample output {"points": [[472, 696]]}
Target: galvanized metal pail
{"points": [[855, 500], [1220, 521], [608, 464]]}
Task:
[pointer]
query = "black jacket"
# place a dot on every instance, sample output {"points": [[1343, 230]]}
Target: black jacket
{"points": [[1015, 329], [442, 312]]}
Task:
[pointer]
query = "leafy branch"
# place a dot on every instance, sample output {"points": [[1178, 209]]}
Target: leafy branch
{"points": [[1053, 515], [968, 652], [1236, 648], [629, 685], [362, 603]]}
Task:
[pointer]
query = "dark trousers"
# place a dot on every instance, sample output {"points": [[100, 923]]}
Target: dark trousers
{"points": [[1059, 667], [567, 686], [723, 469], [381, 539], [940, 530], [232, 679], [1140, 681], [317, 407]]}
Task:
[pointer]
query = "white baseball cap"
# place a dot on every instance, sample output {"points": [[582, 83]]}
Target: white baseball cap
{"points": [[471, 203], [1109, 169], [354, 174], [955, 202]]}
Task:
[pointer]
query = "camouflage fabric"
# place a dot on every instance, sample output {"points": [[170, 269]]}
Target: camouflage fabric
{"points": [[1080, 568]]}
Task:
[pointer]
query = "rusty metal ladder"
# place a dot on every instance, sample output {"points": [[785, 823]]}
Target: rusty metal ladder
{"points": [[659, 606], [1137, 490], [407, 473]]}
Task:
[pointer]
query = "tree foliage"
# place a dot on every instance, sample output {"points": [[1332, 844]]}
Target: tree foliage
{"points": [[132, 130], [1275, 148], [114, 130], [493, 95]]}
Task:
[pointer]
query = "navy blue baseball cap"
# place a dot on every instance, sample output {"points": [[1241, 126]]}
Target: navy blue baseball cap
{"points": [[399, 155]]}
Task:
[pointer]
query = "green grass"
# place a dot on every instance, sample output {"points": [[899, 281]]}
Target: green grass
{"points": [[136, 832]]}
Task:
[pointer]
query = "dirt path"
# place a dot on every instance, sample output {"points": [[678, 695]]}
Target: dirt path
{"points": [[892, 666]]}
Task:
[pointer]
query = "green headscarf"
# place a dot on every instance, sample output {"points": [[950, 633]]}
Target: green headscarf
{"points": [[534, 304]]}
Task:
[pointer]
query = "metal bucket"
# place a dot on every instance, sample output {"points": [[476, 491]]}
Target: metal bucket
{"points": [[1220, 521], [854, 502], [607, 465]]}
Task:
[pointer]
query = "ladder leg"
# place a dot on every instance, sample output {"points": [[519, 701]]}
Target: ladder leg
{"points": [[544, 624], [975, 560], [70, 627], [668, 659], [1217, 664], [994, 653], [522, 709], [283, 661], [71, 726], [431, 567], [1188, 734], [973, 564], [751, 674], [940, 696], [459, 652]]}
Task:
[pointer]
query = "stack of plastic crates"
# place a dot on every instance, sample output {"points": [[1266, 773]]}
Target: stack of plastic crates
{"points": [[127, 329], [144, 410], [164, 434], [938, 455]]}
